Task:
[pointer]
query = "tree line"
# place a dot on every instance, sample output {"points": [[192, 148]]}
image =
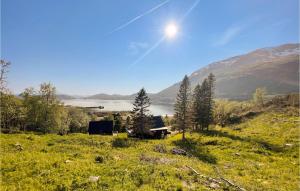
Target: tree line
{"points": [[41, 111], [38, 110]]}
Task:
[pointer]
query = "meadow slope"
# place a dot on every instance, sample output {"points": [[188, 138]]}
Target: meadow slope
{"points": [[259, 154]]}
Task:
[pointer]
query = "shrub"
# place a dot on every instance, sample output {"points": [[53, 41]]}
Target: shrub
{"points": [[121, 142], [99, 159]]}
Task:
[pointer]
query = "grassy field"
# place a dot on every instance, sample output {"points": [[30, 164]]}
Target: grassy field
{"points": [[260, 154]]}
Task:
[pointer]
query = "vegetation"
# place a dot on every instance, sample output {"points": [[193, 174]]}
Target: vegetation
{"points": [[140, 116], [259, 96], [258, 154], [203, 103], [250, 144], [182, 107]]}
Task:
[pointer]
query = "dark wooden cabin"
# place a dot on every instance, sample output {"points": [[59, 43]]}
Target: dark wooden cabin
{"points": [[158, 130], [101, 127]]}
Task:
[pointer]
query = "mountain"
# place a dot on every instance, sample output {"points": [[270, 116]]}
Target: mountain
{"points": [[64, 96], [275, 68], [111, 97]]}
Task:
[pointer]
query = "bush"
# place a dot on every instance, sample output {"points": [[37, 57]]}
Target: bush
{"points": [[121, 142], [229, 112], [99, 159]]}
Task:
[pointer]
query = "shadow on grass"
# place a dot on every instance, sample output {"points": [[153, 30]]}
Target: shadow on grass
{"points": [[264, 144], [123, 143], [194, 148]]}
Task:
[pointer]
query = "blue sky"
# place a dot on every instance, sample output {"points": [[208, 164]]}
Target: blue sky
{"points": [[114, 46]]}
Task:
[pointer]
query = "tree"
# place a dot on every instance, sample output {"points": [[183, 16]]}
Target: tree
{"points": [[182, 107], [167, 120], [11, 113], [32, 106], [49, 105], [128, 122], [44, 112], [203, 103], [140, 116], [210, 98], [259, 96], [3, 71], [197, 107], [79, 120], [117, 122], [11, 107]]}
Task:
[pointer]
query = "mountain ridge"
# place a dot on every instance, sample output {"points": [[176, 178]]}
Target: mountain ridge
{"points": [[276, 68], [237, 77]]}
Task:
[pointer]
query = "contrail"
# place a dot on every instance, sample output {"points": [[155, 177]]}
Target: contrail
{"points": [[164, 37], [189, 11], [138, 17], [148, 51]]}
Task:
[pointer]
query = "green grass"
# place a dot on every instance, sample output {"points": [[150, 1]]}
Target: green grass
{"points": [[253, 155]]}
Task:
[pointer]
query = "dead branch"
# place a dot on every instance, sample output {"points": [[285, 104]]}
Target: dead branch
{"points": [[203, 176], [228, 181]]}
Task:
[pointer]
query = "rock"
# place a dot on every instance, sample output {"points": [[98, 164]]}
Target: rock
{"points": [[177, 151], [288, 144], [166, 161], [237, 154], [93, 178], [19, 147], [214, 185], [68, 161], [161, 148]]}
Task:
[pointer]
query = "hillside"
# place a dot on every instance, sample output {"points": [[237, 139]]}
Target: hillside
{"points": [[259, 154], [275, 68]]}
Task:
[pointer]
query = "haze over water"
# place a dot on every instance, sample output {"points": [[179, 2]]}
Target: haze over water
{"points": [[118, 105]]}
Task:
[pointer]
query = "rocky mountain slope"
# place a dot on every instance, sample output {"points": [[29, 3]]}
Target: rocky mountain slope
{"points": [[276, 69]]}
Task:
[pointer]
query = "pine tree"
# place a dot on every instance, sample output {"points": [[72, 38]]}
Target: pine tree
{"points": [[140, 116], [182, 107], [211, 88], [196, 106], [203, 103]]}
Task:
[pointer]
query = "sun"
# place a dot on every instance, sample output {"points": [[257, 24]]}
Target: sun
{"points": [[171, 30]]}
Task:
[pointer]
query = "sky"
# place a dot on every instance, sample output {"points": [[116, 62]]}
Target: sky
{"points": [[118, 47]]}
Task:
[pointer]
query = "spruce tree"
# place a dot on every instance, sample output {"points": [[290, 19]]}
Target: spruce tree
{"points": [[211, 88], [204, 105], [196, 106], [140, 116], [182, 113]]}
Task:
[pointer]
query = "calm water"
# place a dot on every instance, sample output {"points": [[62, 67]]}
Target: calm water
{"points": [[118, 105]]}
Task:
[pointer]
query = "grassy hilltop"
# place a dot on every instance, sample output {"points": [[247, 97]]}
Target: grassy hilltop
{"points": [[259, 154]]}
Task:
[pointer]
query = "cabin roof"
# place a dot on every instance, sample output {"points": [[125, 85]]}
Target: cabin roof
{"points": [[159, 129]]}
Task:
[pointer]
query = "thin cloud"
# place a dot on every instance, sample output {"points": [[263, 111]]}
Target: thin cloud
{"points": [[148, 51], [229, 34], [136, 47], [139, 17]]}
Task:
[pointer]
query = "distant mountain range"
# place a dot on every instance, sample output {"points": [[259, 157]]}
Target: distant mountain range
{"points": [[275, 68]]}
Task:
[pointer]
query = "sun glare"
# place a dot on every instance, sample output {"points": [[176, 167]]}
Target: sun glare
{"points": [[171, 30]]}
